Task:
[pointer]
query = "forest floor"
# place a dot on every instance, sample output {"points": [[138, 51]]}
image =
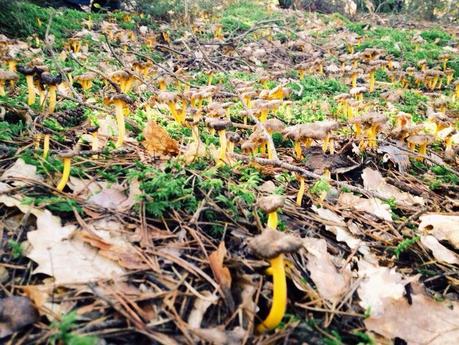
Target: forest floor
{"points": [[151, 173]]}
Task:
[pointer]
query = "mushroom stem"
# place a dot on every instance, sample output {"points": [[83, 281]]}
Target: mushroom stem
{"points": [[46, 145], [299, 196], [2, 88], [298, 151], [354, 80], [65, 174], [52, 98], [273, 220], [120, 124], [372, 82], [223, 145], [30, 90], [36, 142], [422, 151], [279, 304], [95, 142], [263, 116]]}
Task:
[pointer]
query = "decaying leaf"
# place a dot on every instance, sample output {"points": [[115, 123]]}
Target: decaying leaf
{"points": [[270, 243], [330, 283], [16, 312], [375, 182], [439, 251], [21, 170], [379, 285], [219, 336], [221, 272], [339, 228], [158, 141], [200, 307], [442, 227], [422, 322], [392, 153], [110, 197], [372, 206], [59, 253]]}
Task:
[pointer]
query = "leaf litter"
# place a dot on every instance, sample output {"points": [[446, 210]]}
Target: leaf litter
{"points": [[157, 235]]}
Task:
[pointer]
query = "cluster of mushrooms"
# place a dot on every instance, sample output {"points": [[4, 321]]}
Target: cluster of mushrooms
{"points": [[203, 108]]}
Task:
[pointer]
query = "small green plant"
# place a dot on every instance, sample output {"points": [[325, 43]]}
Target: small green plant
{"points": [[404, 245], [64, 334], [8, 131], [335, 339], [364, 338], [16, 249], [320, 187]]}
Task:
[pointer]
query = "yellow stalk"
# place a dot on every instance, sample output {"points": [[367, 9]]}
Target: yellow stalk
{"points": [[273, 220], [299, 196], [46, 146], [30, 90], [298, 151], [372, 82], [120, 124], [52, 98], [65, 174], [223, 145], [2, 88], [422, 151], [279, 295]]}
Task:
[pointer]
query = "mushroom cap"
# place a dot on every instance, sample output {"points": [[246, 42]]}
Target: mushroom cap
{"points": [[167, 96], [115, 97], [358, 90], [233, 137], [67, 154], [8, 75], [270, 203], [217, 123], [420, 139], [341, 96], [26, 70], [371, 118], [86, 76], [274, 125], [48, 79], [271, 243], [248, 145], [292, 132], [120, 74]]}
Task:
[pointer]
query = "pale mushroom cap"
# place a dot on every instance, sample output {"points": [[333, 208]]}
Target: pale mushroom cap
{"points": [[218, 124], [114, 97], [271, 203], [8, 75], [233, 137], [274, 125], [167, 96], [86, 76], [421, 139], [271, 243]]}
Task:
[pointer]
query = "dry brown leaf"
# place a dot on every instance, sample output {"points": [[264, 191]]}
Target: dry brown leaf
{"points": [[330, 284], [442, 227], [58, 253], [218, 335], [16, 312], [375, 182], [221, 272], [110, 197], [21, 170], [158, 141], [439, 251], [372, 206], [200, 307], [423, 322], [43, 298]]}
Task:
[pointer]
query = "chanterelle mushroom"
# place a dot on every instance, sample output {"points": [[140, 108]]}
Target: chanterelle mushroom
{"points": [[220, 126], [270, 204], [52, 82], [422, 140], [120, 101]]}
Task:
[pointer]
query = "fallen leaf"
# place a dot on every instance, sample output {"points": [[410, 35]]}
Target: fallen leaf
{"points": [[372, 206], [58, 253], [43, 298], [158, 141], [221, 272], [439, 251], [330, 284], [422, 322], [379, 284], [373, 181], [200, 307], [16, 312], [109, 198], [395, 155], [21, 170], [442, 227], [219, 336]]}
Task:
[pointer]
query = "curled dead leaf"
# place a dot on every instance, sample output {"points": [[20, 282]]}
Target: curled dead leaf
{"points": [[158, 141], [221, 272]]}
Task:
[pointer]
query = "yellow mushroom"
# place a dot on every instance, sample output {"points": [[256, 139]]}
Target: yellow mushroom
{"points": [[120, 101], [220, 126], [52, 82], [67, 161]]}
